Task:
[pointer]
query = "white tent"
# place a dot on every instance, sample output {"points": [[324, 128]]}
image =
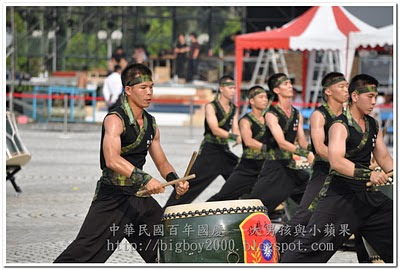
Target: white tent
{"points": [[379, 37], [324, 28]]}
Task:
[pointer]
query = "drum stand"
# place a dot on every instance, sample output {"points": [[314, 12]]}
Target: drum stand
{"points": [[11, 171]]}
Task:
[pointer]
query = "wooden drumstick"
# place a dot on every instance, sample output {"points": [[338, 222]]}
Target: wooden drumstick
{"points": [[373, 165], [388, 175], [173, 182], [189, 167]]}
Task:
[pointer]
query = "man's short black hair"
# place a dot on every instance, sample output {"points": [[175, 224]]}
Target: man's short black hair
{"points": [[225, 78], [330, 76], [361, 80], [132, 71]]}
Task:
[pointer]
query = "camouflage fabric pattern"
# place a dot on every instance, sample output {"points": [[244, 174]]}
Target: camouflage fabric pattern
{"points": [[301, 152], [138, 178], [322, 193], [278, 154], [250, 153], [256, 154]]}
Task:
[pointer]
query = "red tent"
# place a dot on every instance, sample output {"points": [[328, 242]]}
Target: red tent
{"points": [[319, 28]]}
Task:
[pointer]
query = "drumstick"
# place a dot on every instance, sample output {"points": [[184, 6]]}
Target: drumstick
{"points": [[189, 167], [388, 175], [373, 165], [236, 144], [173, 182]]}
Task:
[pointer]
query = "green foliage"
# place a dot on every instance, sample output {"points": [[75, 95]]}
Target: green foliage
{"points": [[150, 26], [159, 34]]}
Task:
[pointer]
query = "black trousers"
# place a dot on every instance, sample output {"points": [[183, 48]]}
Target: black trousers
{"points": [[277, 182], [110, 219], [368, 212], [303, 215], [212, 161], [192, 69], [241, 180]]}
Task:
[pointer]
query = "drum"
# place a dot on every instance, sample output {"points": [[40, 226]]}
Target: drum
{"points": [[218, 232], [16, 152]]}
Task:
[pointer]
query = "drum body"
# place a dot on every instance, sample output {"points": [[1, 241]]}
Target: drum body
{"points": [[16, 152], [218, 232], [373, 256]]}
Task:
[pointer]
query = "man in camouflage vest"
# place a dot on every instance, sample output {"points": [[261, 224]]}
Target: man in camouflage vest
{"points": [[349, 201], [335, 90], [279, 178], [253, 132], [128, 133], [214, 157]]}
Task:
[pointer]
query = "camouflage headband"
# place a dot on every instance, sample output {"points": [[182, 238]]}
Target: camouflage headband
{"points": [[333, 81], [139, 79], [256, 92], [366, 89], [280, 81], [231, 83]]}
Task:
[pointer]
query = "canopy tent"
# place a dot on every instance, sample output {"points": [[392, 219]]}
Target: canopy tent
{"points": [[378, 38], [319, 28]]}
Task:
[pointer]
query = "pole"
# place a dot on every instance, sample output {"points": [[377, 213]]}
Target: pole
{"points": [[65, 128], [12, 87], [191, 118], [55, 39]]}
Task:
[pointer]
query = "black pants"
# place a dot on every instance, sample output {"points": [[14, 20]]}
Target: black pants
{"points": [[110, 219], [241, 180], [303, 215], [368, 212], [181, 66], [277, 182], [192, 70], [212, 161]]}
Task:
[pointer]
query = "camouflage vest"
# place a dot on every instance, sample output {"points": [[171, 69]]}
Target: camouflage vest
{"points": [[258, 131], [289, 127], [225, 121]]}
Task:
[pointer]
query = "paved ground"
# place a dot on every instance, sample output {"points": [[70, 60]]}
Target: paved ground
{"points": [[59, 182]]}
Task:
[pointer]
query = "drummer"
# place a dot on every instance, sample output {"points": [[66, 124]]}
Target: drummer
{"points": [[253, 131], [278, 178], [128, 133], [345, 203], [214, 157], [335, 90]]}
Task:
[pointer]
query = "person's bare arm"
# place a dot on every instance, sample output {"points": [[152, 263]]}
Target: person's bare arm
{"points": [[318, 134], [235, 127], [162, 164], [336, 154], [196, 53], [382, 155], [301, 137], [212, 122], [112, 146], [247, 135], [277, 132]]}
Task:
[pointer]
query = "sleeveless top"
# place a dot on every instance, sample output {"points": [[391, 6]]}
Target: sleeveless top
{"points": [[225, 121], [258, 131], [135, 142], [289, 127]]}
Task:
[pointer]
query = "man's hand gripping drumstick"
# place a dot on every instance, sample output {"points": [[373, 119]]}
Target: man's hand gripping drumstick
{"points": [[173, 182], [379, 178]]}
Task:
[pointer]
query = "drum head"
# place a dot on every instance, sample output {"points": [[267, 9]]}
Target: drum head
{"points": [[199, 207]]}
